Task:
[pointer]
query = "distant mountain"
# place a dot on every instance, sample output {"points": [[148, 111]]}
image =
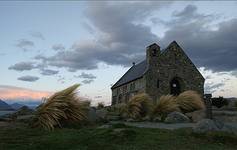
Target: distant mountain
{"points": [[5, 106], [16, 106]]}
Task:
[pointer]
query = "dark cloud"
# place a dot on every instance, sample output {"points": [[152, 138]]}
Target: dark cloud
{"points": [[213, 49], [28, 78], [22, 66], [86, 76], [48, 72], [121, 36], [37, 35], [58, 47], [25, 44], [87, 81]]}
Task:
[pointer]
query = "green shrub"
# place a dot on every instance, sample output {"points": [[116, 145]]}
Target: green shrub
{"points": [[100, 105]]}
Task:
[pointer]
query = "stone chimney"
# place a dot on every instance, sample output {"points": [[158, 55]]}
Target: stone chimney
{"points": [[152, 54]]}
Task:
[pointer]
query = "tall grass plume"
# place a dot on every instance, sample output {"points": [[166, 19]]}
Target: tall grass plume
{"points": [[62, 106]]}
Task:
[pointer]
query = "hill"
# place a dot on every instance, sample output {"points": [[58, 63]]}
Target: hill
{"points": [[16, 106], [5, 106]]}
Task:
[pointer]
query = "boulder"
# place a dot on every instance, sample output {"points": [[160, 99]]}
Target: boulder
{"points": [[147, 118], [176, 117], [196, 115], [206, 125], [157, 119], [130, 120], [113, 117], [105, 126]]}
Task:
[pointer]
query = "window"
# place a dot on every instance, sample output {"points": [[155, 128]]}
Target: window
{"points": [[132, 86], [158, 83], [125, 89], [154, 52]]}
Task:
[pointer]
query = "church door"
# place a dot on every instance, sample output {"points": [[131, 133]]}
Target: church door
{"points": [[175, 88]]}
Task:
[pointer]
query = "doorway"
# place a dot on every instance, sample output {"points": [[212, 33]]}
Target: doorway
{"points": [[175, 87]]}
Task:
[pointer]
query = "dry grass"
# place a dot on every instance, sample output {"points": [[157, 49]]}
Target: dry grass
{"points": [[165, 105], [61, 106], [190, 101], [139, 106]]}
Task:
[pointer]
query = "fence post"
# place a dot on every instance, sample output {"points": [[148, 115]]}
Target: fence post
{"points": [[208, 104]]}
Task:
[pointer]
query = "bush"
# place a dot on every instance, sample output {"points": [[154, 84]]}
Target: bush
{"points": [[189, 101], [60, 108], [164, 106], [100, 105], [139, 106], [219, 102]]}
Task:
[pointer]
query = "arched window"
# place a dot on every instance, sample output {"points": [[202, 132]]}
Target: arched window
{"points": [[158, 83]]}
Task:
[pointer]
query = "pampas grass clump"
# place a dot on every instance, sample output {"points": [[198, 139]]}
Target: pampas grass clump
{"points": [[165, 105], [189, 101], [139, 106], [60, 107]]}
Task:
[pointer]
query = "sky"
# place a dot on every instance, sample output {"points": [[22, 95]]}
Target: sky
{"points": [[50, 45]]}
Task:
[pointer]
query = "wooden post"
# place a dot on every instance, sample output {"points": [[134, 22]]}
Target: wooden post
{"points": [[208, 104]]}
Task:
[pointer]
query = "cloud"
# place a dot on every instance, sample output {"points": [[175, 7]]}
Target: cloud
{"points": [[28, 78], [25, 44], [18, 93], [58, 47], [213, 48], [48, 72], [87, 81], [86, 76], [37, 35], [22, 66], [120, 36]]}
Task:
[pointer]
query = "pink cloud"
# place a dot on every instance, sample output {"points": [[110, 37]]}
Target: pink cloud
{"points": [[13, 93]]}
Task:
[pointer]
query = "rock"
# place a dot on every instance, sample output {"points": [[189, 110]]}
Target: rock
{"points": [[176, 117], [196, 115], [113, 118], [157, 119], [130, 120], [105, 126], [147, 118], [205, 125]]}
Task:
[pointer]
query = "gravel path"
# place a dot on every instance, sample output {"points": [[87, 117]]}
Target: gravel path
{"points": [[157, 125], [160, 125]]}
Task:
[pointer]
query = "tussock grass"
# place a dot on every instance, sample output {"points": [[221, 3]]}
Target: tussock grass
{"points": [[61, 106], [189, 101], [139, 106], [165, 105]]}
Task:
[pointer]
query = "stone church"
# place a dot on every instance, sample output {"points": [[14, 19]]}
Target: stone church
{"points": [[168, 71]]}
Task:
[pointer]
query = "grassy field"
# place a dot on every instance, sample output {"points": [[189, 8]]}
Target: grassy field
{"points": [[119, 137]]}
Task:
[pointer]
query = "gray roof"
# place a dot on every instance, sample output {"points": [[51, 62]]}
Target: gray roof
{"points": [[135, 72]]}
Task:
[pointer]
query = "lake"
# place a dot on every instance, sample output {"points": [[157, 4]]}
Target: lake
{"points": [[6, 112]]}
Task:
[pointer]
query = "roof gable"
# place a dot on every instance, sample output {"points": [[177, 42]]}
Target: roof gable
{"points": [[135, 72]]}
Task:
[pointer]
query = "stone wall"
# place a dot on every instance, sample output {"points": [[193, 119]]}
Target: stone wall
{"points": [[123, 93], [171, 63]]}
